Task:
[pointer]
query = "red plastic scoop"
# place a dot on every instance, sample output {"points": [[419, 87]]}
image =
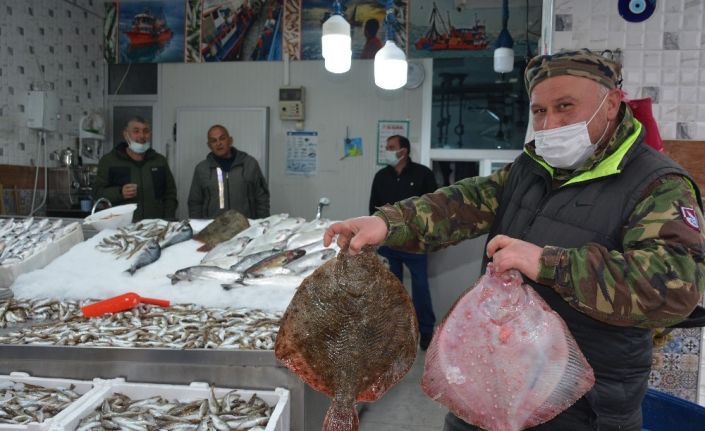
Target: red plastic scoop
{"points": [[119, 303]]}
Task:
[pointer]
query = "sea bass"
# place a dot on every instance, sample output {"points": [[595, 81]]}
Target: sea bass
{"points": [[350, 332], [502, 359], [222, 228], [150, 254], [205, 272]]}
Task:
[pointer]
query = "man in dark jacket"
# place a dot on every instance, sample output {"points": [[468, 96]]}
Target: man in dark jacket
{"points": [[402, 179], [135, 173], [227, 179], [607, 230]]}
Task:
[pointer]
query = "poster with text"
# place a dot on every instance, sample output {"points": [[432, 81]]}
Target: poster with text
{"points": [[301, 153], [386, 129]]}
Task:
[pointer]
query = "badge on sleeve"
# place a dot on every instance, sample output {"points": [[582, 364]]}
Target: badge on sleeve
{"points": [[690, 218]]}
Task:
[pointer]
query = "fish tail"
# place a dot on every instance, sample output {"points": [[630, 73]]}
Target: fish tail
{"points": [[205, 247], [341, 417], [131, 270]]}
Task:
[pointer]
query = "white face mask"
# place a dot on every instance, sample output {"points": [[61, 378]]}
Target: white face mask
{"points": [[569, 146], [138, 147], [391, 158]]}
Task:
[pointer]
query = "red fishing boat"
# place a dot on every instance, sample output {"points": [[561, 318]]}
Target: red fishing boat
{"points": [[452, 38], [147, 29]]}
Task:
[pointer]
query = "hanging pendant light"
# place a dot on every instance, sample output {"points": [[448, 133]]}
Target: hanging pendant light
{"points": [[335, 42], [390, 62], [503, 53]]}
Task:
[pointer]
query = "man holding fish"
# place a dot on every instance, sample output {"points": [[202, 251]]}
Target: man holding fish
{"points": [[608, 231]]}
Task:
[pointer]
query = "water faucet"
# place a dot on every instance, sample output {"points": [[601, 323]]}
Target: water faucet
{"points": [[99, 200], [322, 202]]}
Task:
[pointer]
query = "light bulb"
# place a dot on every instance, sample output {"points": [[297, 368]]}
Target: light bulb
{"points": [[390, 67], [503, 60], [336, 44]]}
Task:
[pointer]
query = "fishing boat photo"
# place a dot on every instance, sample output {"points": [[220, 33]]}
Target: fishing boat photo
{"points": [[146, 29], [451, 38], [224, 29]]}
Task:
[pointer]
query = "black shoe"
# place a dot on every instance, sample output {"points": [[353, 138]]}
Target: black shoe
{"points": [[425, 340]]}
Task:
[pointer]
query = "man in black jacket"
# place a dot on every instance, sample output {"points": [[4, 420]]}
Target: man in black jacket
{"points": [[402, 179], [227, 179]]}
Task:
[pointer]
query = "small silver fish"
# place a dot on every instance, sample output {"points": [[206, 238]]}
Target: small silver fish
{"points": [[183, 232], [205, 272]]}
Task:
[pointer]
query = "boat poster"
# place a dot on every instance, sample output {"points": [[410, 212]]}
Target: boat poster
{"points": [[235, 30], [366, 18], [452, 28], [151, 31]]}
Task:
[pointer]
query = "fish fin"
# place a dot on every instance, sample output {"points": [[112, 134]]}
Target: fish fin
{"points": [[341, 417], [131, 271], [205, 247]]}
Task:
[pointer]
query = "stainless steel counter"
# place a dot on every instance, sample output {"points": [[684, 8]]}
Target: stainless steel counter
{"points": [[247, 369]]}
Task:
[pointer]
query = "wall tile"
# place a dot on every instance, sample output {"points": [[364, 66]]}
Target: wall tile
{"points": [[653, 40], [690, 59], [669, 95], [670, 40], [689, 40], [669, 112], [671, 6], [687, 95], [652, 59], [651, 77], [635, 39], [687, 113], [691, 21], [673, 22], [689, 77]]}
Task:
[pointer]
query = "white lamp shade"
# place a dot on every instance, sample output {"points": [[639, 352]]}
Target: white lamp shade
{"points": [[338, 63], [390, 67], [335, 36], [503, 60]]}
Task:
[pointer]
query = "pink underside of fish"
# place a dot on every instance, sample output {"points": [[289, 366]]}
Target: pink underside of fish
{"points": [[505, 375]]}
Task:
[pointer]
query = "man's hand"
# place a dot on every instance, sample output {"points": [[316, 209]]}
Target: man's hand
{"points": [[510, 253], [358, 232], [129, 191]]}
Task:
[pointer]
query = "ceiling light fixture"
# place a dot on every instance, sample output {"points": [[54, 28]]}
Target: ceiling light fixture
{"points": [[335, 42], [503, 53], [390, 62]]}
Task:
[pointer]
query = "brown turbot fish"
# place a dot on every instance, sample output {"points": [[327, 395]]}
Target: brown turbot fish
{"points": [[222, 228], [350, 332]]}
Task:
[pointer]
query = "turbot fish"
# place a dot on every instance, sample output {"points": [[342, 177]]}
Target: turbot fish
{"points": [[350, 332], [222, 228], [502, 359], [150, 254]]}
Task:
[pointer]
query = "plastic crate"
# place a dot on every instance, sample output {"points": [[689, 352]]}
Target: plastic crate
{"points": [[664, 412], [82, 387], [278, 398]]}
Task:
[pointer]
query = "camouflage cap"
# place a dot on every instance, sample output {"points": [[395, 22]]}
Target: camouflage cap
{"points": [[583, 63]]}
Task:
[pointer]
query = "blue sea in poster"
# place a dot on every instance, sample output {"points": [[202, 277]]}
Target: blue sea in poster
{"points": [[171, 50]]}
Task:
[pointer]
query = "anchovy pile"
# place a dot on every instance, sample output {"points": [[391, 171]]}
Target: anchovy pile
{"points": [[130, 239], [22, 403], [230, 412], [14, 311], [184, 326], [22, 238]]}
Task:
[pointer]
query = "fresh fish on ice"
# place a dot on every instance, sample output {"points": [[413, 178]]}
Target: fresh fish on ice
{"points": [[222, 228], [150, 254], [176, 233], [350, 332], [205, 272], [274, 265], [310, 261], [251, 259], [502, 359], [271, 239], [231, 247]]}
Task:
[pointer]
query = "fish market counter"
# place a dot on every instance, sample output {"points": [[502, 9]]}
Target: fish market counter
{"points": [[242, 369]]}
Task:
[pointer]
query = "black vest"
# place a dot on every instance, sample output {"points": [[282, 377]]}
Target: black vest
{"points": [[571, 216]]}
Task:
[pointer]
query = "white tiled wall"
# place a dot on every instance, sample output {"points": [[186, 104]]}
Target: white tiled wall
{"points": [[663, 56], [45, 45]]}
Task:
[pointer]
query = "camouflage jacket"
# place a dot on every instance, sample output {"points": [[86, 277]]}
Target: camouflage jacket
{"points": [[660, 254]]}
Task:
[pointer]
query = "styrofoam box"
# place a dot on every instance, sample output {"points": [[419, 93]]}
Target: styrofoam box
{"points": [[82, 387], [279, 398], [42, 258]]}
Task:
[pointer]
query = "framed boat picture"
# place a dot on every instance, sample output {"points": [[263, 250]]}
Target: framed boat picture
{"points": [[151, 31]]}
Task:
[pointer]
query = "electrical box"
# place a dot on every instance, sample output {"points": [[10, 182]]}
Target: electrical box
{"points": [[291, 103], [42, 110]]}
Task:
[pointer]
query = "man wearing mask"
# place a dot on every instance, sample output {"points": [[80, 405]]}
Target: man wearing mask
{"points": [[607, 230], [227, 179], [402, 179], [134, 173]]}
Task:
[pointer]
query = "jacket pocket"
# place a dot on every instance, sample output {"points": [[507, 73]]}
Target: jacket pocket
{"points": [[118, 176], [159, 182]]}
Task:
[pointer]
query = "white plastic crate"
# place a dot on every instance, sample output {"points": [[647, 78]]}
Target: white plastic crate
{"points": [[82, 387], [278, 398]]}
